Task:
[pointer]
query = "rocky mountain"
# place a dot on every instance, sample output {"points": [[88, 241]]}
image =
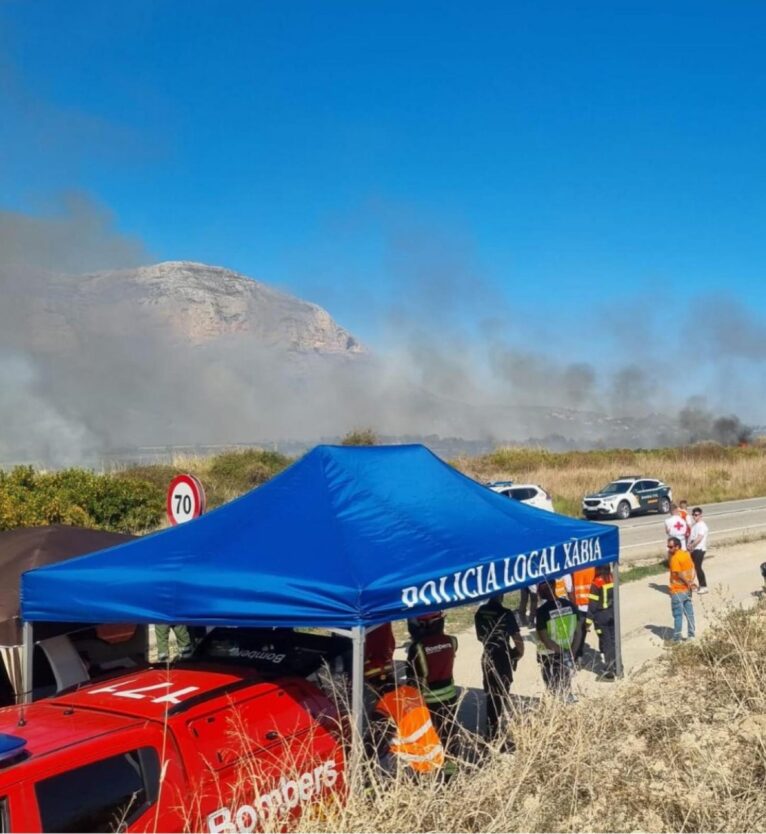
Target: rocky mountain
{"points": [[169, 354], [193, 303]]}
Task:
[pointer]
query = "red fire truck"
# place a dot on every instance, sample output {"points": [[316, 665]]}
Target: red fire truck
{"points": [[200, 747]]}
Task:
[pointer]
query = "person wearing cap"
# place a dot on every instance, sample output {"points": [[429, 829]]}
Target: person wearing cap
{"points": [[431, 662], [496, 628], [557, 629]]}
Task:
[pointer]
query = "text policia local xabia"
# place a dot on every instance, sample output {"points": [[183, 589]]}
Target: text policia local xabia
{"points": [[503, 574]]}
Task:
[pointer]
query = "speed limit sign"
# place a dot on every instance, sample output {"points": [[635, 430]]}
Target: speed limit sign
{"points": [[186, 499]]}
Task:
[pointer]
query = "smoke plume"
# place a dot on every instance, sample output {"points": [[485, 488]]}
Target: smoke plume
{"points": [[89, 367]]}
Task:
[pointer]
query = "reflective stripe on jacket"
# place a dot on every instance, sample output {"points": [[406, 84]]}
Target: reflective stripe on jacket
{"points": [[416, 742], [582, 580], [601, 597]]}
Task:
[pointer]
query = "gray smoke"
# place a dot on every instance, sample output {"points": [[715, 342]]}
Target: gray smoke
{"points": [[116, 377], [700, 424], [42, 416], [78, 236]]}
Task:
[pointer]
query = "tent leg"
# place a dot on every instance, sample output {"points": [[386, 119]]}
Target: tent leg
{"points": [[27, 650], [617, 622], [357, 704]]}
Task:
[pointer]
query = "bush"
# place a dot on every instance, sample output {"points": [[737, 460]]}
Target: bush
{"points": [[247, 469], [78, 497], [360, 437]]}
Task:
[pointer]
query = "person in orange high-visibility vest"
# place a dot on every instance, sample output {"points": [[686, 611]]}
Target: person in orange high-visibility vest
{"points": [[581, 581], [564, 587], [414, 742]]}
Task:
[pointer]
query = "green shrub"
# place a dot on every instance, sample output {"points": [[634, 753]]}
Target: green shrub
{"points": [[78, 497], [247, 469], [360, 437]]}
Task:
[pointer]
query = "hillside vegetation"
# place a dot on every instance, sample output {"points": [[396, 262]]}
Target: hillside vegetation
{"points": [[132, 500]]}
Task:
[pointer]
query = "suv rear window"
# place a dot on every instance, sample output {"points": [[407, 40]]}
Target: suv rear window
{"points": [[106, 795], [521, 493]]}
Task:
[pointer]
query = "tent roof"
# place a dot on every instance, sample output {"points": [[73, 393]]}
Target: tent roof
{"points": [[30, 547], [346, 536]]}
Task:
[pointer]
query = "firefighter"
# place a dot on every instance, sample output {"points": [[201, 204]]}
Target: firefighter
{"points": [[601, 615], [496, 627], [403, 731], [557, 630], [431, 660]]}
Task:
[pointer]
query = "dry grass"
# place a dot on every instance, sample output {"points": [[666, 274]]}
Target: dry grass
{"points": [[681, 749], [703, 473]]}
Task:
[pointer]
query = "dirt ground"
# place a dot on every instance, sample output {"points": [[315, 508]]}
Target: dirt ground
{"points": [[734, 579]]}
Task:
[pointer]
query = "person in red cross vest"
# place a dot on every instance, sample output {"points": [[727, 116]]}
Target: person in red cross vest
{"points": [[431, 661], [676, 526]]}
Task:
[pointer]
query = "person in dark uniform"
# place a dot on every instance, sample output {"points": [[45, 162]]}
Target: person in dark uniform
{"points": [[601, 615], [496, 628]]}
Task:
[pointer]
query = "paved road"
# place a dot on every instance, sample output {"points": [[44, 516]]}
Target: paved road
{"points": [[642, 537]]}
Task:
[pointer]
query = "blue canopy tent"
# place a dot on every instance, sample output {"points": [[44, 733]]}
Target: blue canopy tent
{"points": [[346, 538]]}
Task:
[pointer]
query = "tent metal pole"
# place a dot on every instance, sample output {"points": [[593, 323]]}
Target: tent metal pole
{"points": [[27, 651], [357, 702], [617, 621]]}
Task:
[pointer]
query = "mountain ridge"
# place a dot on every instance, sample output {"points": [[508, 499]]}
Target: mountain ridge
{"points": [[198, 303]]}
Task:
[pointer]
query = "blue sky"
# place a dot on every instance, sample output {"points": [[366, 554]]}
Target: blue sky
{"points": [[565, 163]]}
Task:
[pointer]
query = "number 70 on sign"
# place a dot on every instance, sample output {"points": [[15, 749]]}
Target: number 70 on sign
{"points": [[185, 499]]}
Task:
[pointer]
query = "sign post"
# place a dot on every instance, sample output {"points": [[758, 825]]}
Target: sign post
{"points": [[186, 499]]}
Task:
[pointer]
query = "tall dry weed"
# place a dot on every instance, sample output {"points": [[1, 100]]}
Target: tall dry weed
{"points": [[703, 473], [681, 748]]}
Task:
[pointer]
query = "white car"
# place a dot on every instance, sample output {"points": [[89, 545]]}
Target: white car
{"points": [[628, 495], [532, 494]]}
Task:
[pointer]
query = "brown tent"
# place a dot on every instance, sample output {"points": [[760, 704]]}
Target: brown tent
{"points": [[32, 547]]}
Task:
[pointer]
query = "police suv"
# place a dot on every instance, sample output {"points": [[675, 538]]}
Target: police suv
{"points": [[198, 746], [627, 495]]}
